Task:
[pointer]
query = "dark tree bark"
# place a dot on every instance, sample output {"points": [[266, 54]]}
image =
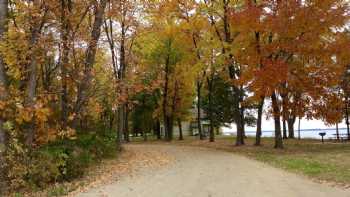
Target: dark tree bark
{"points": [[173, 109], [32, 74], [241, 110], [347, 117], [211, 126], [111, 121], [120, 126], [157, 129], [285, 136], [259, 122], [284, 113], [337, 130], [199, 100], [126, 127], [121, 76], [166, 116], [3, 97], [299, 136], [290, 122], [181, 137], [82, 95], [240, 133], [65, 29], [225, 38], [165, 103], [276, 115]]}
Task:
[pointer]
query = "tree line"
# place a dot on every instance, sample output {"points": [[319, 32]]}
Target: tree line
{"points": [[71, 67]]}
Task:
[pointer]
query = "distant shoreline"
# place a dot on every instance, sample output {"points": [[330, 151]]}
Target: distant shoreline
{"points": [[305, 133]]}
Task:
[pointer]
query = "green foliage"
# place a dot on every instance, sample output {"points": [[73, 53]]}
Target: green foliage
{"points": [[57, 191], [59, 161], [223, 102]]}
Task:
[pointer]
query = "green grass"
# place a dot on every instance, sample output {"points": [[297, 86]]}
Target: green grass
{"points": [[327, 162], [57, 191]]}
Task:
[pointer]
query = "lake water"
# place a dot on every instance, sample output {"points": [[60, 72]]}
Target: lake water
{"points": [[304, 133]]}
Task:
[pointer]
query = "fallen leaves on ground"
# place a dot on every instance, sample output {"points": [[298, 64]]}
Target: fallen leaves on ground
{"points": [[111, 170]]}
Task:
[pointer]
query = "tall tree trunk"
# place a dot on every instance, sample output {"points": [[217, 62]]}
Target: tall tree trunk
{"points": [[199, 100], [111, 120], [239, 118], [159, 134], [65, 10], [337, 130], [211, 121], [173, 110], [181, 137], [242, 109], [240, 134], [32, 79], [284, 111], [126, 126], [3, 97], [259, 122], [276, 115], [291, 122], [166, 118], [82, 95], [120, 127], [299, 135], [347, 117], [285, 136]]}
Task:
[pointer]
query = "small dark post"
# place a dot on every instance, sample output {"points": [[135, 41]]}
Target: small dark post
{"points": [[322, 134]]}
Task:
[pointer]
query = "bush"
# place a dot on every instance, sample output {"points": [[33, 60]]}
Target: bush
{"points": [[68, 159]]}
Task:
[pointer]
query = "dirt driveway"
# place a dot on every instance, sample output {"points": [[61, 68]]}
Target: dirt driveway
{"points": [[201, 172]]}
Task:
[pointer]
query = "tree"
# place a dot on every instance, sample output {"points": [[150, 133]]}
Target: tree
{"points": [[82, 96], [3, 97]]}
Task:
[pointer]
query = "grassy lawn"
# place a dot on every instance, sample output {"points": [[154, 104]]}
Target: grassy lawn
{"points": [[329, 162]]}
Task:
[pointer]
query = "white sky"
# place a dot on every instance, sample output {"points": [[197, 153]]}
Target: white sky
{"points": [[268, 125]]}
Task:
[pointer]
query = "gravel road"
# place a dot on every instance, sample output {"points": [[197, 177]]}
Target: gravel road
{"points": [[201, 172]]}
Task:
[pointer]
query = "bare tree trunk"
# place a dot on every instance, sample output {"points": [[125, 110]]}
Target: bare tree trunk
{"points": [[32, 79], [120, 127], [240, 134], [210, 90], [166, 120], [299, 135], [199, 100], [65, 10], [337, 130], [284, 112], [111, 120], [259, 122], [290, 122], [239, 119], [82, 95], [173, 110], [285, 136], [3, 97], [159, 135], [276, 115], [242, 109], [181, 137], [126, 126], [347, 117]]}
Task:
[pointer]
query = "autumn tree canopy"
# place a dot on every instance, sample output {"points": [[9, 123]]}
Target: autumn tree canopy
{"points": [[71, 67]]}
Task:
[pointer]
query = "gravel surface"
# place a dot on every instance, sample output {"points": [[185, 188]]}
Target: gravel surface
{"points": [[201, 172]]}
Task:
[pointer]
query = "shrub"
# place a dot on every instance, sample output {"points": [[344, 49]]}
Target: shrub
{"points": [[67, 159]]}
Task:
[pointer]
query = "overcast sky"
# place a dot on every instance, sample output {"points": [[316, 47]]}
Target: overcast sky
{"points": [[268, 125]]}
